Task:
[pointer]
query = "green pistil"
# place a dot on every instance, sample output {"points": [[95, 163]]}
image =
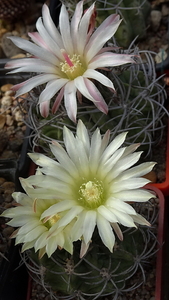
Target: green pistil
{"points": [[91, 194]]}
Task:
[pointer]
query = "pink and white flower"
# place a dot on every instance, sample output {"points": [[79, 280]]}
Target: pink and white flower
{"points": [[68, 61]]}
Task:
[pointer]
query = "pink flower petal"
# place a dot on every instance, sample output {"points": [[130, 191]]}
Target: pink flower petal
{"points": [[99, 101], [58, 101], [44, 109]]}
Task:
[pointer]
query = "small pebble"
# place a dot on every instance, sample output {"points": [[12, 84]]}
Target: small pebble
{"points": [[6, 87]]}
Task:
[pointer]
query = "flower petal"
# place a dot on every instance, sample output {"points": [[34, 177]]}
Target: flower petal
{"points": [[94, 92], [70, 100], [64, 26], [50, 26], [102, 34], [29, 84], [105, 232], [109, 60], [89, 225], [51, 89], [90, 73], [34, 49]]}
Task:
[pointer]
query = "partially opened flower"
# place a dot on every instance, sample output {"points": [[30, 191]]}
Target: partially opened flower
{"points": [[90, 185], [68, 60], [34, 232]]}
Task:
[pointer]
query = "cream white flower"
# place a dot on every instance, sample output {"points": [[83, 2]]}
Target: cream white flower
{"points": [[90, 185], [33, 231], [68, 60]]}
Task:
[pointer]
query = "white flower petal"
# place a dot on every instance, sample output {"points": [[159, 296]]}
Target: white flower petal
{"points": [[109, 60], [82, 33], [140, 220], [136, 195], [129, 184], [52, 88], [82, 134], [75, 150], [53, 242], [93, 74], [34, 49], [124, 163], [22, 198], [81, 86], [105, 232], [113, 146], [27, 246], [18, 221], [75, 23], [53, 46], [65, 30], [50, 26], [137, 171], [98, 99], [124, 218], [107, 214], [41, 241], [64, 159], [70, 100], [56, 208], [102, 34], [118, 204], [37, 39], [73, 212], [29, 84], [77, 229], [89, 225]]}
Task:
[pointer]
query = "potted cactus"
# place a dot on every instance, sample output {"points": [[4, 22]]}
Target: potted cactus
{"points": [[160, 282], [49, 222]]}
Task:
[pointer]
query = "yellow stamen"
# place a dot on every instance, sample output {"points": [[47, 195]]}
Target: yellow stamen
{"points": [[73, 66], [91, 194]]}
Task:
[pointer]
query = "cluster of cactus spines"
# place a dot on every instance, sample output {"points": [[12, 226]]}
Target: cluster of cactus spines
{"points": [[99, 273], [137, 106], [133, 12]]}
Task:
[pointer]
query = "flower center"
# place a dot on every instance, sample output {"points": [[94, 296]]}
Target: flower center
{"points": [[72, 67], [91, 194], [50, 221]]}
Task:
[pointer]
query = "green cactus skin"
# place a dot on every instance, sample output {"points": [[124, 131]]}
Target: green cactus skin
{"points": [[97, 274]]}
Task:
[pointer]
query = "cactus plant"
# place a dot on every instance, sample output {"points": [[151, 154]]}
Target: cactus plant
{"points": [[99, 273]]}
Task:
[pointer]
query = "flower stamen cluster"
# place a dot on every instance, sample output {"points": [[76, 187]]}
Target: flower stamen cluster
{"points": [[91, 194], [72, 67]]}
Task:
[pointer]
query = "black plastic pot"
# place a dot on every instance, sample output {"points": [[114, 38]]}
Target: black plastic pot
{"points": [[13, 273]]}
